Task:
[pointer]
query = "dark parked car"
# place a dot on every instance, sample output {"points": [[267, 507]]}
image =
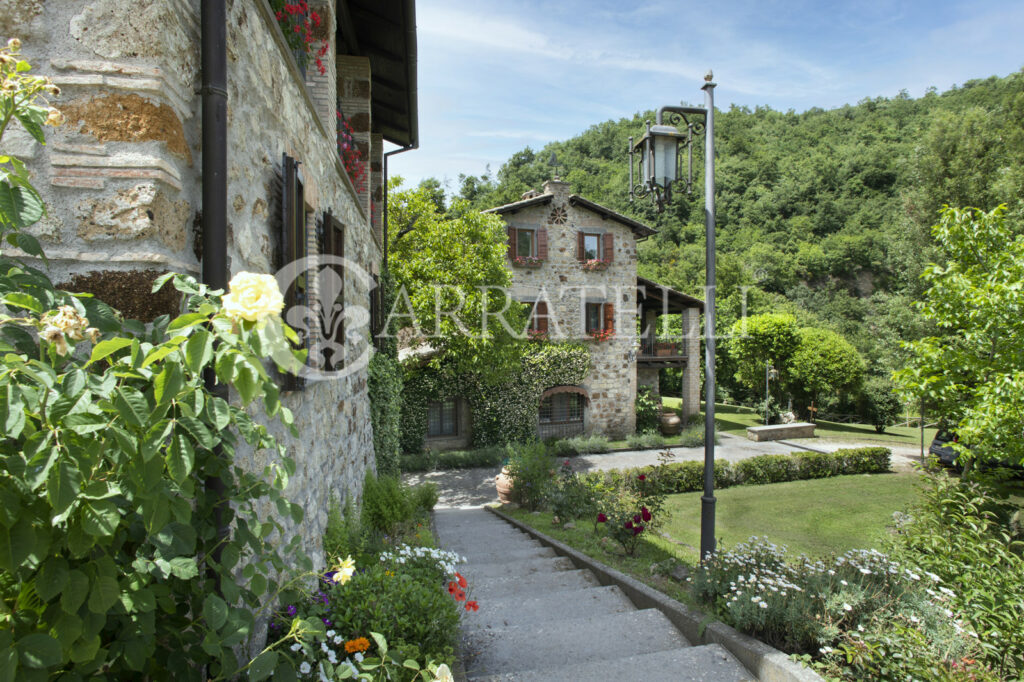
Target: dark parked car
{"points": [[942, 447]]}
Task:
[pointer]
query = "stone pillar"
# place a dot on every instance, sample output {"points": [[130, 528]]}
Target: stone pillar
{"points": [[691, 373], [377, 189], [323, 89], [354, 104]]}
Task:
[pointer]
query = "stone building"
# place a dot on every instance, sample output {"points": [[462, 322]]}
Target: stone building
{"points": [[574, 263], [123, 181]]}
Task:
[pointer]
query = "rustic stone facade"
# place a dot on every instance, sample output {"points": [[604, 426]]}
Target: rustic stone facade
{"points": [[567, 287], [122, 181]]}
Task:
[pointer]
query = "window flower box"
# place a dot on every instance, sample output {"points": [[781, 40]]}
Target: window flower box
{"points": [[601, 335], [594, 265], [537, 335], [527, 262], [666, 349]]}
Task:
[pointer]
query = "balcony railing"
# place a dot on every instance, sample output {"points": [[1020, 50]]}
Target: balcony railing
{"points": [[652, 347]]}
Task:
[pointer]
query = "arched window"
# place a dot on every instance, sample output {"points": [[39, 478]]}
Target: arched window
{"points": [[561, 412]]}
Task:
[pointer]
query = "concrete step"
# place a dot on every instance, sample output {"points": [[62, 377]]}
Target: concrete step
{"points": [[521, 568], [500, 556], [554, 643], [492, 550], [710, 663], [531, 585], [559, 605]]}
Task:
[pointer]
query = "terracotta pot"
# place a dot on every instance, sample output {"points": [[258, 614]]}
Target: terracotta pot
{"points": [[503, 482], [670, 423]]}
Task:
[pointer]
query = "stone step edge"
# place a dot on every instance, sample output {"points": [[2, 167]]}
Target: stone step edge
{"points": [[766, 663]]}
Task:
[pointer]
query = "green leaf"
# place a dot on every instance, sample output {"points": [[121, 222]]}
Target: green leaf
{"points": [[108, 347], [63, 484], [20, 205], [74, 592], [31, 118], [51, 578], [215, 611], [104, 594], [132, 406], [83, 423], [16, 543], [218, 412], [181, 457], [382, 643], [198, 431], [184, 567], [168, 383], [29, 244], [39, 651], [185, 321], [20, 299], [262, 666], [12, 411], [84, 650], [246, 383], [100, 518], [9, 665], [159, 353], [199, 351]]}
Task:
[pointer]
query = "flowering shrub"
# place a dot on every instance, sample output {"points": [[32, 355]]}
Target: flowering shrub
{"points": [[351, 157], [112, 561], [527, 262], [601, 335], [831, 609], [297, 23], [634, 506], [594, 264], [532, 470]]}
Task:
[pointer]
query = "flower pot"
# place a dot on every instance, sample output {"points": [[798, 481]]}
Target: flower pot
{"points": [[670, 423], [503, 482]]}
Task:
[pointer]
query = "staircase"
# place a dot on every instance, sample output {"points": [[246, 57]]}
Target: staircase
{"points": [[540, 619]]}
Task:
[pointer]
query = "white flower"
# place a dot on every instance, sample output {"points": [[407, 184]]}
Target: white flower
{"points": [[915, 619], [843, 583], [763, 605], [847, 607], [443, 674], [330, 633], [358, 657], [253, 297], [332, 657], [826, 649], [305, 667], [343, 571], [338, 640], [296, 646]]}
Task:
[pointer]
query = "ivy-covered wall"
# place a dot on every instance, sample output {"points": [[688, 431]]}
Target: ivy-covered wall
{"points": [[502, 413], [385, 391]]}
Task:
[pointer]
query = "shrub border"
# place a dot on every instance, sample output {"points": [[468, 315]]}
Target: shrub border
{"points": [[764, 662]]}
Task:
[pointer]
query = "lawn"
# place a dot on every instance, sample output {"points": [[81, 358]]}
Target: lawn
{"points": [[812, 517], [735, 419]]}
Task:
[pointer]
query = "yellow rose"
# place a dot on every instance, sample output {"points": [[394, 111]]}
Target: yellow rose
{"points": [[253, 297], [343, 573]]}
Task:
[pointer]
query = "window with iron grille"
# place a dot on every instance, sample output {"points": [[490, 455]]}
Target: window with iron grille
{"points": [[561, 408], [443, 418]]}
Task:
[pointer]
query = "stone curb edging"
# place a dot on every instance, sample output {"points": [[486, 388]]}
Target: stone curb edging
{"points": [[766, 663]]}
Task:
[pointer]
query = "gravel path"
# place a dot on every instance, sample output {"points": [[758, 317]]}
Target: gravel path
{"points": [[467, 488]]}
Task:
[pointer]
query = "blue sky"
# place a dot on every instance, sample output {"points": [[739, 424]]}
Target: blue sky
{"points": [[495, 76]]}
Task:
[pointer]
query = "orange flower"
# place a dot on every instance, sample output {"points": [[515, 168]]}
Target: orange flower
{"points": [[472, 606], [462, 581], [460, 595], [451, 587], [357, 645]]}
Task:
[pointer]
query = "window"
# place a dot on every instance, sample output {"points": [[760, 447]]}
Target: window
{"points": [[332, 292], [594, 321], [443, 418], [293, 248], [525, 243], [591, 246], [537, 313], [561, 408]]}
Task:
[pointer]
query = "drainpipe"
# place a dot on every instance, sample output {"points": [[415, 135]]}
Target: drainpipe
{"points": [[384, 191], [214, 93]]}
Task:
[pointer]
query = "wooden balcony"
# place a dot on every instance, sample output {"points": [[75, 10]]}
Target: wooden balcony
{"points": [[654, 353]]}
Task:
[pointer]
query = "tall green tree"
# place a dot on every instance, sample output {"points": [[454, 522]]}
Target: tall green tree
{"points": [[823, 363], [451, 280], [760, 340], [972, 374]]}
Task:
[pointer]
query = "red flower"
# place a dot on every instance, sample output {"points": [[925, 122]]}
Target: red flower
{"points": [[641, 477], [279, 15], [462, 581], [637, 530], [601, 518], [629, 524], [646, 513], [451, 587], [316, 18], [472, 606], [460, 595], [636, 518]]}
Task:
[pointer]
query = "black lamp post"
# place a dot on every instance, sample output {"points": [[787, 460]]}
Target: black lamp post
{"points": [[659, 167]]}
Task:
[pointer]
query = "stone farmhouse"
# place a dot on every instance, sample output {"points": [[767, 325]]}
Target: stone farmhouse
{"points": [[574, 263], [124, 179]]}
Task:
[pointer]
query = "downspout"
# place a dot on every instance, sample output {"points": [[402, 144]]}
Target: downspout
{"points": [[214, 93], [384, 191]]}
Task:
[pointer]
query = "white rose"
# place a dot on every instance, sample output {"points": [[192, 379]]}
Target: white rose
{"points": [[253, 297]]}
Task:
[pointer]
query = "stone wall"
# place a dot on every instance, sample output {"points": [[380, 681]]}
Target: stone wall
{"points": [[567, 287], [122, 181]]}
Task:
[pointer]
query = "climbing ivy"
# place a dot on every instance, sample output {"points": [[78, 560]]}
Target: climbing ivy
{"points": [[502, 413], [385, 389]]}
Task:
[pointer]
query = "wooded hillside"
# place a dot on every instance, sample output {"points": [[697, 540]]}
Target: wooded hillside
{"points": [[823, 214]]}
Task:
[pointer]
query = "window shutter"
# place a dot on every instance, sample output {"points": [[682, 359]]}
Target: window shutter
{"points": [[609, 247], [541, 312], [609, 316], [293, 247], [579, 246], [542, 243], [512, 243]]}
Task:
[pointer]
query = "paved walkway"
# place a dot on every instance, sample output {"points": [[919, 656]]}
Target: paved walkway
{"points": [[542, 620], [467, 488]]}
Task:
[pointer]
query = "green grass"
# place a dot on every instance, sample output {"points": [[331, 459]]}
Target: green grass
{"points": [[812, 517], [735, 419]]}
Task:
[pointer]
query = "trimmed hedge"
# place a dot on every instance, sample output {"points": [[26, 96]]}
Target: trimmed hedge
{"points": [[688, 477]]}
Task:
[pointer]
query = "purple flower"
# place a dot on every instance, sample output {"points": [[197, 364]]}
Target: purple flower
{"points": [[292, 611], [326, 622]]}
